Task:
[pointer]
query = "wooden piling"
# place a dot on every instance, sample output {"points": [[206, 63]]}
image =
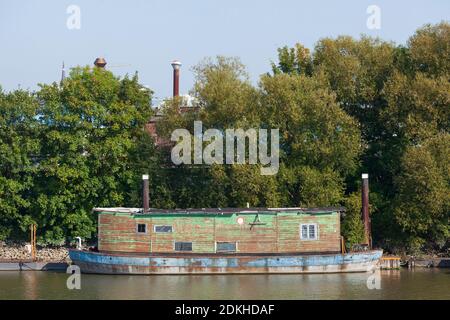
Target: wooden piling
{"points": [[33, 241]]}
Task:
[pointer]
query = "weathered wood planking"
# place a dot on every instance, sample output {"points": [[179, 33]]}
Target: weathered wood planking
{"points": [[274, 232]]}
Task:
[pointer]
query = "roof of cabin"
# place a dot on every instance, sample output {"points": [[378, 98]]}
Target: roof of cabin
{"points": [[216, 211]]}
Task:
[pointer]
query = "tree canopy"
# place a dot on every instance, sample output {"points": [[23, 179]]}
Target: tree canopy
{"points": [[345, 107]]}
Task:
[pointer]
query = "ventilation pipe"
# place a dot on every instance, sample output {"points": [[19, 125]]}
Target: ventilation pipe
{"points": [[365, 209], [145, 193], [79, 247]]}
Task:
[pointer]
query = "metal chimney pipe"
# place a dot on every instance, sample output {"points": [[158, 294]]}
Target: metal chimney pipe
{"points": [[365, 208], [176, 65], [145, 193]]}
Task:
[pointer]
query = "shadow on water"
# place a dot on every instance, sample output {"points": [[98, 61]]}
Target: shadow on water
{"points": [[403, 284]]}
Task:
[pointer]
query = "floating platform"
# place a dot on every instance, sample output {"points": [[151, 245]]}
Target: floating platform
{"points": [[33, 266], [430, 263]]}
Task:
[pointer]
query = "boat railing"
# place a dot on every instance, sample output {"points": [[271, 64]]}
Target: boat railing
{"points": [[360, 247]]}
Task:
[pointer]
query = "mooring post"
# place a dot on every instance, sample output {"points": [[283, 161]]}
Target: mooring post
{"points": [[145, 193], [33, 241], [342, 245]]}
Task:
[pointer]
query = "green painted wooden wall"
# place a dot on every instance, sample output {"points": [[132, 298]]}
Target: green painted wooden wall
{"points": [[276, 232]]}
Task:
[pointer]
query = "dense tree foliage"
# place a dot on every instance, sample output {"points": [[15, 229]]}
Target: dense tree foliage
{"points": [[346, 107], [19, 149], [400, 96], [68, 148], [352, 226]]}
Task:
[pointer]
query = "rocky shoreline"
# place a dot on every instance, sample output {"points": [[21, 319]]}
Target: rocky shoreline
{"points": [[10, 252], [20, 251]]}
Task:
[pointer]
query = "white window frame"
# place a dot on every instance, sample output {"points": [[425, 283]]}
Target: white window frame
{"points": [[192, 246], [162, 225], [137, 228], [308, 238], [236, 246]]}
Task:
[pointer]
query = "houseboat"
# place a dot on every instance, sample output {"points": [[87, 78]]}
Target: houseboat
{"points": [[221, 241]]}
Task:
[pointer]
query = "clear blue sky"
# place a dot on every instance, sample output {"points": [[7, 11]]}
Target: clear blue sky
{"points": [[146, 35]]}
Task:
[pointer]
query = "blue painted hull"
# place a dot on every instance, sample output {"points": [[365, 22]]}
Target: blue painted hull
{"points": [[107, 263]]}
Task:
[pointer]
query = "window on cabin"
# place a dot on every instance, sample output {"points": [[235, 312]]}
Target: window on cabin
{"points": [[183, 246], [308, 231], [312, 231], [225, 246], [304, 231], [141, 228], [163, 229]]}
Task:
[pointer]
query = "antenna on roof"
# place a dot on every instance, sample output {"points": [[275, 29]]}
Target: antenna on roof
{"points": [[63, 73]]}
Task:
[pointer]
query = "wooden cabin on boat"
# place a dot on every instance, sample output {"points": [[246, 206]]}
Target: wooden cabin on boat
{"points": [[221, 231], [223, 241]]}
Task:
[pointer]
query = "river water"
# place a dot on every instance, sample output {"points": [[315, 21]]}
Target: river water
{"points": [[392, 284]]}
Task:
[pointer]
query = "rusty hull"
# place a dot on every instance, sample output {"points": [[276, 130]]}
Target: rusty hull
{"points": [[106, 263]]}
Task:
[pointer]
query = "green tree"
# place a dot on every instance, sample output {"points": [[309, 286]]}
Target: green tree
{"points": [[92, 123], [422, 205], [225, 94], [296, 60], [247, 185], [430, 49], [399, 96], [227, 100], [352, 226], [19, 147], [314, 130], [350, 105]]}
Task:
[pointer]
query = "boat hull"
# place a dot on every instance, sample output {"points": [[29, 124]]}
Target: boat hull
{"points": [[107, 263]]}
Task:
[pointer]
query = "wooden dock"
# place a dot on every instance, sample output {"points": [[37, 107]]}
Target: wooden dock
{"points": [[390, 263]]}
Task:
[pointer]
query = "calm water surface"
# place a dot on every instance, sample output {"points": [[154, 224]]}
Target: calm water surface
{"points": [[403, 284]]}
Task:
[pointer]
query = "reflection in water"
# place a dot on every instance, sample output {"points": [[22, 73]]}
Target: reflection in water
{"points": [[404, 284], [30, 283]]}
